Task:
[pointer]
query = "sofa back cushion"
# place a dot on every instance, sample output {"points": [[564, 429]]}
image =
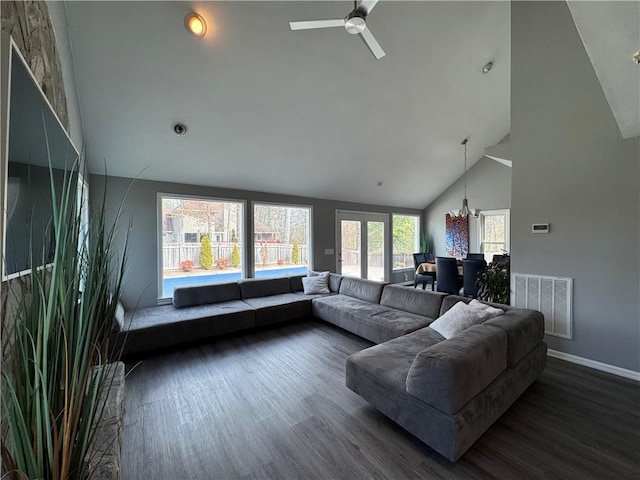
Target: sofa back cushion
{"points": [[204, 294], [334, 282], [524, 329], [295, 282], [264, 287], [449, 374], [412, 300], [362, 289]]}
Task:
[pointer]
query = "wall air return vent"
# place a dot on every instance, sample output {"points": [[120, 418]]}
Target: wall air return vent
{"points": [[550, 295]]}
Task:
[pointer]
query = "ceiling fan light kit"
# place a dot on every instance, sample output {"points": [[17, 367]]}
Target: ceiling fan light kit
{"points": [[354, 23]]}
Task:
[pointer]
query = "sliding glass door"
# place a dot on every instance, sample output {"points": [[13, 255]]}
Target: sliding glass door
{"points": [[362, 243]]}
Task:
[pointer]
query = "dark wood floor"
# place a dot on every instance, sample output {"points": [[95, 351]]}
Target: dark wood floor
{"points": [[273, 404]]}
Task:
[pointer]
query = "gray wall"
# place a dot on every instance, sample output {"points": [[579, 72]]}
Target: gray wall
{"points": [[57, 12], [572, 169], [488, 188], [141, 207]]}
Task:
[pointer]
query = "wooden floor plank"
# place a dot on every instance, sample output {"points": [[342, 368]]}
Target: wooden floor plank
{"points": [[272, 403]]}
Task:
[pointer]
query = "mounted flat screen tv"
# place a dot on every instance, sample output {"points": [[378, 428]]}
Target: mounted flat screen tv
{"points": [[36, 151]]}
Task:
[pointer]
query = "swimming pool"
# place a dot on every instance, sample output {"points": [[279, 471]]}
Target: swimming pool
{"points": [[170, 283]]}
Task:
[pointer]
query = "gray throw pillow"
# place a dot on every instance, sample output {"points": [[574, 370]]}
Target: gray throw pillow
{"points": [[458, 318], [316, 284]]}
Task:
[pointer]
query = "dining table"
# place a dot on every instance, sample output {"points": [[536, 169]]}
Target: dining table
{"points": [[431, 268]]}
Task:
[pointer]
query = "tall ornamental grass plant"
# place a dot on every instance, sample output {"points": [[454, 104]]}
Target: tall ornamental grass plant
{"points": [[57, 344]]}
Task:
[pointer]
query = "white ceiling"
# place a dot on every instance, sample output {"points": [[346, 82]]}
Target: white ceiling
{"points": [[309, 113], [610, 32]]}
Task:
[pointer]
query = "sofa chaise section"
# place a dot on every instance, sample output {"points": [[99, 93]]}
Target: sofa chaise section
{"points": [[448, 392]]}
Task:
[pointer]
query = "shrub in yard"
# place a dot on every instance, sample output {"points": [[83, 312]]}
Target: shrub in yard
{"points": [[295, 253], [186, 265], [235, 255], [222, 263], [280, 261], [206, 257]]}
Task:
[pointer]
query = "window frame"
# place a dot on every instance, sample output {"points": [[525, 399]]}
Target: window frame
{"points": [[159, 244], [506, 212], [251, 260], [418, 217]]}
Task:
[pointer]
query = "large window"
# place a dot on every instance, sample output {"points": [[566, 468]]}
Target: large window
{"points": [[202, 241], [281, 236], [406, 240], [494, 233]]}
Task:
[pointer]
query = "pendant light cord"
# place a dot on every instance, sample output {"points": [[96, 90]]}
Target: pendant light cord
{"points": [[464, 142]]}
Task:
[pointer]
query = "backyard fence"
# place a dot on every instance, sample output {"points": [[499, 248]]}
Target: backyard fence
{"points": [[275, 254], [400, 260]]}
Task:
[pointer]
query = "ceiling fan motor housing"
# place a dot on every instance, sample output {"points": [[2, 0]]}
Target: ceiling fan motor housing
{"points": [[355, 22]]}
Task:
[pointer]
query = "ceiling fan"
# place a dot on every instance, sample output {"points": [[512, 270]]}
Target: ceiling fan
{"points": [[355, 23]]}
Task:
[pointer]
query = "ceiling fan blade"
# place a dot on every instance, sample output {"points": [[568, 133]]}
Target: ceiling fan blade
{"points": [[309, 24], [368, 38], [366, 6]]}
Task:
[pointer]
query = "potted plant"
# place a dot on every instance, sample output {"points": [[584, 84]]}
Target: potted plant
{"points": [[493, 283], [55, 376]]}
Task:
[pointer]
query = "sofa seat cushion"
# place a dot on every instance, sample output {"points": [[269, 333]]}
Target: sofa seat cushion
{"points": [[163, 326], [366, 290], [449, 374], [279, 307], [314, 295], [524, 329], [413, 300], [389, 362], [368, 320]]}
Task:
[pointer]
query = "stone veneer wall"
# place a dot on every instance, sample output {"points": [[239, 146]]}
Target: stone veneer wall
{"points": [[29, 24]]}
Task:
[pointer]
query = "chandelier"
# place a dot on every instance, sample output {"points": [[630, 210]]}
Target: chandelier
{"points": [[465, 210]]}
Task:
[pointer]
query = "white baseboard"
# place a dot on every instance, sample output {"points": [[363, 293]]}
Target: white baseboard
{"points": [[603, 367]]}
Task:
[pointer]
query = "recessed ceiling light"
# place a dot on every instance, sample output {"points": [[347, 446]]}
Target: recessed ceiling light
{"points": [[487, 68], [636, 58], [195, 24], [179, 128]]}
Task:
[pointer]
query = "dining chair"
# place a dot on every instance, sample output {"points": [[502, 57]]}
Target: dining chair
{"points": [[422, 278], [475, 256], [448, 278], [470, 270]]}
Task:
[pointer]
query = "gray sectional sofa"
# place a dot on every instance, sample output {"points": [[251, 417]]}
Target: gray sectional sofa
{"points": [[445, 391], [448, 392]]}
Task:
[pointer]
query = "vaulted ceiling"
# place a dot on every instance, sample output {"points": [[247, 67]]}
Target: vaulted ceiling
{"points": [[308, 113]]}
